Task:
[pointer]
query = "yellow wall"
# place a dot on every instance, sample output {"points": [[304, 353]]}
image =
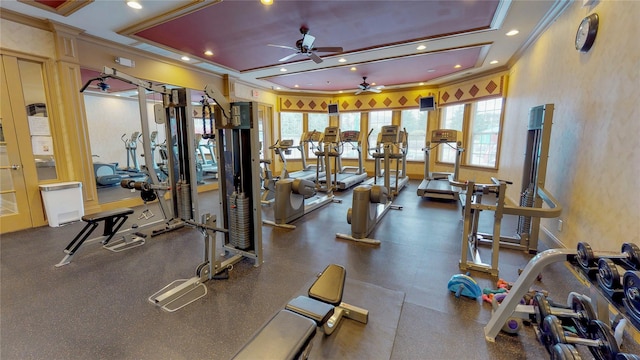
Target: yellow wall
{"points": [[594, 159]]}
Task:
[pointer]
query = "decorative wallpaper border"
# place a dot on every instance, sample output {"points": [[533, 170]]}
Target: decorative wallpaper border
{"points": [[473, 90]]}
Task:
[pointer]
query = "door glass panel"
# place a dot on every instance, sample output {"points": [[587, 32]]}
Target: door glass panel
{"points": [[35, 99], [8, 203]]}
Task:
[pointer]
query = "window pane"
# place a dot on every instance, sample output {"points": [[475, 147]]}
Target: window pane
{"points": [[415, 122], [317, 122], [485, 128], [377, 119], [350, 121], [291, 129], [452, 117]]}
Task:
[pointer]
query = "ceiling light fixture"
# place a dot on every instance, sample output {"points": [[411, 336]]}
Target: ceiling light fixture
{"points": [[134, 4], [266, 2], [296, 85], [431, 70], [421, 47], [353, 68], [283, 69], [342, 60], [493, 62], [421, 84], [513, 32], [458, 66], [185, 58], [208, 53]]}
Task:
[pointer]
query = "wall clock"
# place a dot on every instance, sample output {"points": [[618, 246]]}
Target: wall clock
{"points": [[586, 34]]}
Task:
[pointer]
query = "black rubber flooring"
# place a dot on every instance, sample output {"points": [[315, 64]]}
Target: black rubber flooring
{"points": [[97, 307]]}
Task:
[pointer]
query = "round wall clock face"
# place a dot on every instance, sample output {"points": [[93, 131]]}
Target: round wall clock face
{"points": [[586, 34]]}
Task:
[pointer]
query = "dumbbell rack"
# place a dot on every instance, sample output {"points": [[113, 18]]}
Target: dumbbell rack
{"points": [[511, 303]]}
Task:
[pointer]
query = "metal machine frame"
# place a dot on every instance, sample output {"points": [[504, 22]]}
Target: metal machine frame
{"points": [[387, 149], [348, 176]]}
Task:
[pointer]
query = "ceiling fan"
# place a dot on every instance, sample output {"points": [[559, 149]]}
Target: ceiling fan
{"points": [[304, 46], [364, 87]]}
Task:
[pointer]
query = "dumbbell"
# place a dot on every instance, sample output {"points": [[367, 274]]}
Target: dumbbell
{"points": [[580, 312], [588, 260], [610, 278], [564, 352], [631, 288], [622, 356], [600, 340]]}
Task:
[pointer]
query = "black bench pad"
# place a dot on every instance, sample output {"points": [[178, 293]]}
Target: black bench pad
{"points": [[104, 215], [313, 309], [329, 285], [284, 337]]}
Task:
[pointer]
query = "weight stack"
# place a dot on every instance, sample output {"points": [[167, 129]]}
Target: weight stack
{"points": [[239, 221], [524, 222], [183, 194]]}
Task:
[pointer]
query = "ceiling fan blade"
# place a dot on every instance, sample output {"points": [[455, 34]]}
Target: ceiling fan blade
{"points": [[358, 92], [374, 90], [283, 46], [328, 49], [288, 57], [315, 58]]}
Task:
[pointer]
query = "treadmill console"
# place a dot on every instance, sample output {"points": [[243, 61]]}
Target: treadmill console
{"points": [[351, 136], [389, 134], [286, 143], [331, 134], [446, 136]]}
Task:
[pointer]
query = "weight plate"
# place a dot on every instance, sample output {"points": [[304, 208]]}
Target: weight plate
{"points": [[631, 285], [546, 334], [582, 306], [564, 352], [585, 255], [622, 356], [148, 195], [541, 307], [633, 253], [608, 274], [608, 348]]}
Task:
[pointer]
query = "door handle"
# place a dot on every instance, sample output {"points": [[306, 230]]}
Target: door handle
{"points": [[15, 167]]}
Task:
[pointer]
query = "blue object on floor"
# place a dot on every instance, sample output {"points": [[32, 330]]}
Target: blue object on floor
{"points": [[465, 285]]}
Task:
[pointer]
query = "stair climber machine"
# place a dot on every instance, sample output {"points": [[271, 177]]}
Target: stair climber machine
{"points": [[296, 197], [239, 234], [391, 146], [348, 176], [372, 201], [437, 185]]}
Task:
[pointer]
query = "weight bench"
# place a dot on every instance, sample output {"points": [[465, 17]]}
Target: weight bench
{"points": [[289, 334], [113, 221]]}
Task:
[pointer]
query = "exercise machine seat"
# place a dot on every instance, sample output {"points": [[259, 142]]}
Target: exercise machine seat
{"points": [[285, 336], [316, 310], [303, 187]]}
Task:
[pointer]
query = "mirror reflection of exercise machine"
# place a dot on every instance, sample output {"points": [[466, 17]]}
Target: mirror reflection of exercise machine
{"points": [[372, 201], [241, 234], [530, 210], [437, 184], [348, 176], [296, 197]]}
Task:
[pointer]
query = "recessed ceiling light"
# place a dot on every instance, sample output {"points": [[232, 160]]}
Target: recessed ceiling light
{"points": [[266, 2], [134, 4], [458, 66], [493, 62], [277, 87], [342, 60], [353, 68], [185, 58], [431, 70], [373, 84], [283, 69], [296, 85], [208, 53], [513, 32], [421, 47], [421, 84]]}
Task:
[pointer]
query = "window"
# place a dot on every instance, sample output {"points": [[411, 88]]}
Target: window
{"points": [[350, 121], [415, 122], [317, 122], [291, 127], [452, 118], [377, 119], [485, 127]]}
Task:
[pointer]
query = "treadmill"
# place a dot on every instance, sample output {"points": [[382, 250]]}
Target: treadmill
{"points": [[437, 185], [308, 172], [347, 176], [391, 145]]}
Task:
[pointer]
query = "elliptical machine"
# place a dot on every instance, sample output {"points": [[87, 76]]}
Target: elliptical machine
{"points": [[372, 201]]}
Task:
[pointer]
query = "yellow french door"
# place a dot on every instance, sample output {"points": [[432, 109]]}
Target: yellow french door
{"points": [[15, 213]]}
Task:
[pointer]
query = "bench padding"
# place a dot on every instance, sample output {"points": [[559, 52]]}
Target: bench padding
{"points": [[329, 285], [284, 337], [313, 309]]}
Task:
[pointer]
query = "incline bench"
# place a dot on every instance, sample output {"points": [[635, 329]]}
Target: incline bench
{"points": [[289, 334], [113, 220]]}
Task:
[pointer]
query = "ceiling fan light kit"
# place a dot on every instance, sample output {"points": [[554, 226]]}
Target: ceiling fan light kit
{"points": [[304, 46], [366, 87]]}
